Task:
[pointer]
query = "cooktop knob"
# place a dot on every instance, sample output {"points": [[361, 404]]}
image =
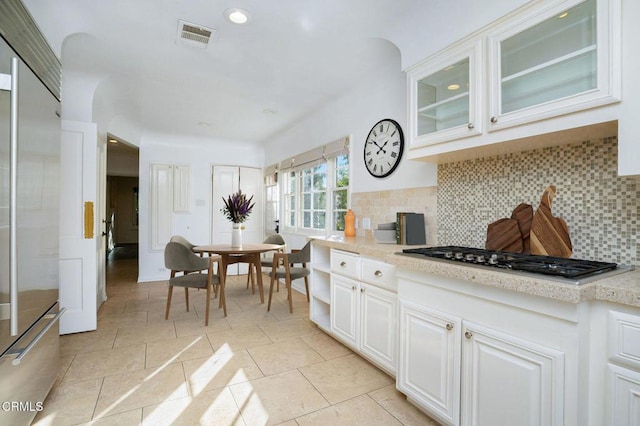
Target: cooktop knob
{"points": [[469, 257], [493, 260], [459, 255], [480, 258]]}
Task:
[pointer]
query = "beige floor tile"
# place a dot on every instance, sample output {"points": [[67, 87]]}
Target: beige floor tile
{"points": [[90, 341], [195, 326], [210, 408], [144, 333], [65, 363], [284, 356], [177, 350], [284, 330], [92, 365], [69, 404], [178, 312], [220, 370], [129, 418], [250, 318], [326, 346], [140, 388], [396, 403], [275, 399], [344, 378], [122, 320], [237, 339], [361, 410]]}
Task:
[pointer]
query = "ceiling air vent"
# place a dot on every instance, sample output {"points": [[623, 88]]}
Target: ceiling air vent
{"points": [[194, 35]]}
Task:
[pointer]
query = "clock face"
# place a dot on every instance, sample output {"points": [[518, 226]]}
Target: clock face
{"points": [[383, 148]]}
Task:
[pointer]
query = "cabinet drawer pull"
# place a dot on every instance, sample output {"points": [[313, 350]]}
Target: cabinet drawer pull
{"points": [[449, 326], [378, 273], [470, 126], [343, 263], [494, 120], [468, 334]]}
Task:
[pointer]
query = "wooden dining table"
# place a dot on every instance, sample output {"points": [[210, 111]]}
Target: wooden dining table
{"points": [[248, 253]]}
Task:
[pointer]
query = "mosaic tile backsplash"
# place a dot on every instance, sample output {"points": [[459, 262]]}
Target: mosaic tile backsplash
{"points": [[601, 209]]}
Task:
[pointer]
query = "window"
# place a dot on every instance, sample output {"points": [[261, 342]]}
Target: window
{"points": [[315, 198]]}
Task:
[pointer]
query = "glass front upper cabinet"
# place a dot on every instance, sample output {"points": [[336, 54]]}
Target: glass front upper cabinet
{"points": [[443, 96], [548, 64]]}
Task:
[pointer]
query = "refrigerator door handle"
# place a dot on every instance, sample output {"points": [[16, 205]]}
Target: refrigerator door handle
{"points": [[13, 200], [22, 352]]}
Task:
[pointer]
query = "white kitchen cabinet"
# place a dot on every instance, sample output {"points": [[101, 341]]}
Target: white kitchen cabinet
{"points": [[320, 287], [623, 369], [552, 60], [471, 356], [536, 71], [364, 314], [445, 101], [623, 405], [344, 309], [507, 380], [429, 360]]}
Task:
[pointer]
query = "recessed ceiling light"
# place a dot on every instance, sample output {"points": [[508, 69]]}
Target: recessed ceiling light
{"points": [[237, 16], [113, 141], [563, 15], [270, 111], [453, 86], [203, 124]]}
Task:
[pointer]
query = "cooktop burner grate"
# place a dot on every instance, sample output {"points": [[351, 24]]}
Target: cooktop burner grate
{"points": [[547, 265]]}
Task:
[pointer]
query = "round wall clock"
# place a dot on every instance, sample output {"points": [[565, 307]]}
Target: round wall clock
{"points": [[383, 148]]}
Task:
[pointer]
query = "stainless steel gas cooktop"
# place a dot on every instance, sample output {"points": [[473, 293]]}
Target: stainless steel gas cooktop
{"points": [[575, 271]]}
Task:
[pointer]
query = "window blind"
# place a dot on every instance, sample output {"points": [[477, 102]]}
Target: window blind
{"points": [[316, 156]]}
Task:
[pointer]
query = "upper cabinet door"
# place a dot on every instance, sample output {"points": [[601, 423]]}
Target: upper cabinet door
{"points": [[444, 96], [553, 60]]}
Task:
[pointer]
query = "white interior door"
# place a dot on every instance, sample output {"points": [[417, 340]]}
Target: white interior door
{"points": [[78, 218], [226, 181]]}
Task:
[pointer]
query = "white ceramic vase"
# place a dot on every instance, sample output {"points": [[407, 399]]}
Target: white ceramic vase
{"points": [[236, 235]]}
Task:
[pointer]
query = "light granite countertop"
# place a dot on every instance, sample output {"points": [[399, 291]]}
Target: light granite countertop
{"points": [[623, 288]]}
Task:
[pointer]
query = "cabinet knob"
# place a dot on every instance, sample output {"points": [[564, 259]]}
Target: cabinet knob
{"points": [[449, 326], [468, 334], [378, 273], [343, 264], [470, 126], [353, 287], [494, 120], [362, 290]]}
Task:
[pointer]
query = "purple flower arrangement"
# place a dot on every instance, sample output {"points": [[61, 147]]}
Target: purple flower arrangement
{"points": [[237, 207]]}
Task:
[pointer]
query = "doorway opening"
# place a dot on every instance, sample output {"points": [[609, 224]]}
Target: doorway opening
{"points": [[122, 209]]}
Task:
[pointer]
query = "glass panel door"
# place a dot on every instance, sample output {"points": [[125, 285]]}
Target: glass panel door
{"points": [[554, 59], [443, 99]]}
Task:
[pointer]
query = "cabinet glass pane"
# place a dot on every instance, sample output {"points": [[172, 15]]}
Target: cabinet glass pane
{"points": [[443, 99], [551, 60]]}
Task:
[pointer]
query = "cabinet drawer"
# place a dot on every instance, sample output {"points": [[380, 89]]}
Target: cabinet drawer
{"points": [[379, 274], [345, 263], [624, 339]]}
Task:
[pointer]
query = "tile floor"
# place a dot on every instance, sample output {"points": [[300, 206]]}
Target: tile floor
{"points": [[251, 368]]}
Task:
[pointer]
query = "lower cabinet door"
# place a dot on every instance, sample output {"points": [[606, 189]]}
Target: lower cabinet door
{"points": [[508, 381], [623, 396], [344, 309], [378, 336], [429, 360]]}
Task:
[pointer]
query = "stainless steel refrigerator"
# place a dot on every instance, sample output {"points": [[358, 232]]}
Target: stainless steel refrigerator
{"points": [[29, 239]]}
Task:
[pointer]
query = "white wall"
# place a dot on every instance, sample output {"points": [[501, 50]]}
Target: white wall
{"points": [[383, 95], [200, 155]]}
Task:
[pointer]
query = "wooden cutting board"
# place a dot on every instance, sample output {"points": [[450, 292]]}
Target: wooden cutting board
{"points": [[549, 234], [523, 214], [504, 235]]}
